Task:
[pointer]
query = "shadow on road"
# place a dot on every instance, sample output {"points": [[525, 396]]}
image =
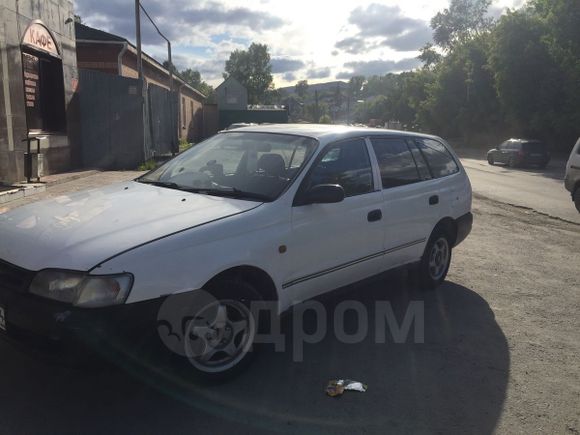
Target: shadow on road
{"points": [[454, 382]]}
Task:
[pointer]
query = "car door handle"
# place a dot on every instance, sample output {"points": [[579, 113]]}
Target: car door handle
{"points": [[434, 200], [375, 215]]}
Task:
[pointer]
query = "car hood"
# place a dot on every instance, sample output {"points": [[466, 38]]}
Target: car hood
{"points": [[81, 230]]}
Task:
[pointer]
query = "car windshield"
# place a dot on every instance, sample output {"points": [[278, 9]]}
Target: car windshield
{"points": [[255, 166]]}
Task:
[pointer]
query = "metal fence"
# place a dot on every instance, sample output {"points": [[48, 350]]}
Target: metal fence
{"points": [[122, 124]]}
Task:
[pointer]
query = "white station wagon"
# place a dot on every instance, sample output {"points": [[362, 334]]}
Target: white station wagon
{"points": [[278, 213]]}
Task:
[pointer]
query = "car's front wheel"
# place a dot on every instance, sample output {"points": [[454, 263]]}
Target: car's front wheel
{"points": [[436, 260], [490, 159], [219, 340]]}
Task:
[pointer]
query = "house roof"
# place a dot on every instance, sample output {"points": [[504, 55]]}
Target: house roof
{"points": [[230, 79], [86, 33]]}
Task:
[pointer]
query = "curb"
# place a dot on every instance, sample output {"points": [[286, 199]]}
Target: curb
{"points": [[20, 191]]}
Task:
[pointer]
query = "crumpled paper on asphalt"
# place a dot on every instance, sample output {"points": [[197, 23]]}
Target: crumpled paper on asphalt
{"points": [[338, 386]]}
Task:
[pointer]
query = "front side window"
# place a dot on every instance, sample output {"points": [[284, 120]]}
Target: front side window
{"points": [[438, 158], [395, 162], [346, 164], [245, 165]]}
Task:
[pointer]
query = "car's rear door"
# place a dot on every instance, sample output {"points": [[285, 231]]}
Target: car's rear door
{"points": [[409, 208], [332, 245]]}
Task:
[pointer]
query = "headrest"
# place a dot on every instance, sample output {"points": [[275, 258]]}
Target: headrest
{"points": [[272, 164]]}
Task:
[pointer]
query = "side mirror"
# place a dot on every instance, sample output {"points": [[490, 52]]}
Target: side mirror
{"points": [[324, 194]]}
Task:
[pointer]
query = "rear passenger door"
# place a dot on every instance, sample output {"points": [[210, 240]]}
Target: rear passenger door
{"points": [[408, 215], [447, 185]]}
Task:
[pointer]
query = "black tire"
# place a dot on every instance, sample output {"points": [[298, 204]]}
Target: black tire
{"points": [[577, 199], [429, 278], [490, 160], [511, 162], [235, 294]]}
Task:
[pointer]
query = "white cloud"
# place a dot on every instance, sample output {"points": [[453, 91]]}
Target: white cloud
{"points": [[302, 34]]}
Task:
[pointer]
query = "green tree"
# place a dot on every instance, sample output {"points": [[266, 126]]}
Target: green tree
{"points": [[462, 99], [169, 67], [252, 69], [530, 83], [429, 56], [193, 78], [325, 119], [301, 88], [463, 20], [355, 87]]}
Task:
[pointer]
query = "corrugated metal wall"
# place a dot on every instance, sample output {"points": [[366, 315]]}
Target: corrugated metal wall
{"points": [[121, 127], [112, 128]]}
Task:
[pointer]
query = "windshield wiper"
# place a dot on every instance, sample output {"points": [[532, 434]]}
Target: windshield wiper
{"points": [[230, 192], [168, 184]]}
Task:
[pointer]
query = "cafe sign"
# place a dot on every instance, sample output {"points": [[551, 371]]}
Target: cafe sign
{"points": [[39, 37]]}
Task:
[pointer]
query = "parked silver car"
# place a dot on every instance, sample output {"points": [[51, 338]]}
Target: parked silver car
{"points": [[572, 180]]}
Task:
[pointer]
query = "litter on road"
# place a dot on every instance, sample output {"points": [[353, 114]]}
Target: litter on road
{"points": [[337, 387]]}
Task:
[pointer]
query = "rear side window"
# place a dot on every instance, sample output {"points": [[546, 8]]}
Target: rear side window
{"points": [[345, 163], [438, 158], [395, 162], [534, 147]]}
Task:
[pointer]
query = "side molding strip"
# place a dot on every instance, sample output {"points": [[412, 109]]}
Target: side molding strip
{"points": [[351, 263]]}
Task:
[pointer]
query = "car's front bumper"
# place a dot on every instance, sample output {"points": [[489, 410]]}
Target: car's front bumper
{"points": [[27, 315]]}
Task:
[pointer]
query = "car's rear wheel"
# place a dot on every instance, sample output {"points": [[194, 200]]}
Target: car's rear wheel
{"points": [[577, 199], [436, 260], [219, 340], [490, 160], [512, 162]]}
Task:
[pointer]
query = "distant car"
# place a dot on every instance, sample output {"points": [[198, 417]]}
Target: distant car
{"points": [[265, 213], [520, 153], [572, 180]]}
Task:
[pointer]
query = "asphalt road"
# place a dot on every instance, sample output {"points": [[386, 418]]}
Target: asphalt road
{"points": [[502, 338], [537, 189]]}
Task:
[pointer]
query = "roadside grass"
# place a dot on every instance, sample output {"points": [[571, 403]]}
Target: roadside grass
{"points": [[148, 165], [184, 145]]}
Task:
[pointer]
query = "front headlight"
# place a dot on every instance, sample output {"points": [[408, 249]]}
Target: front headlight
{"points": [[81, 289]]}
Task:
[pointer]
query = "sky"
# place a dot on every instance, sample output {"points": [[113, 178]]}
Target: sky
{"points": [[314, 40]]}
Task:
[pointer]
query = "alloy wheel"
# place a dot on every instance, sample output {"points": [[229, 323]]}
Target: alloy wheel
{"points": [[439, 258], [219, 336]]}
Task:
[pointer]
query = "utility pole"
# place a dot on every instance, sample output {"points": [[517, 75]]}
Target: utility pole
{"points": [[170, 65], [138, 38]]}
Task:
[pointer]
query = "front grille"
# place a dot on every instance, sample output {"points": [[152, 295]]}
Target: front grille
{"points": [[14, 278]]}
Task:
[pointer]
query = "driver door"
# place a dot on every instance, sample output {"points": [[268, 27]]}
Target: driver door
{"points": [[333, 245]]}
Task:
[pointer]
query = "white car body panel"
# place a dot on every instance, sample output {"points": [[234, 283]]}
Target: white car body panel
{"points": [[173, 246], [573, 169], [80, 230]]}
